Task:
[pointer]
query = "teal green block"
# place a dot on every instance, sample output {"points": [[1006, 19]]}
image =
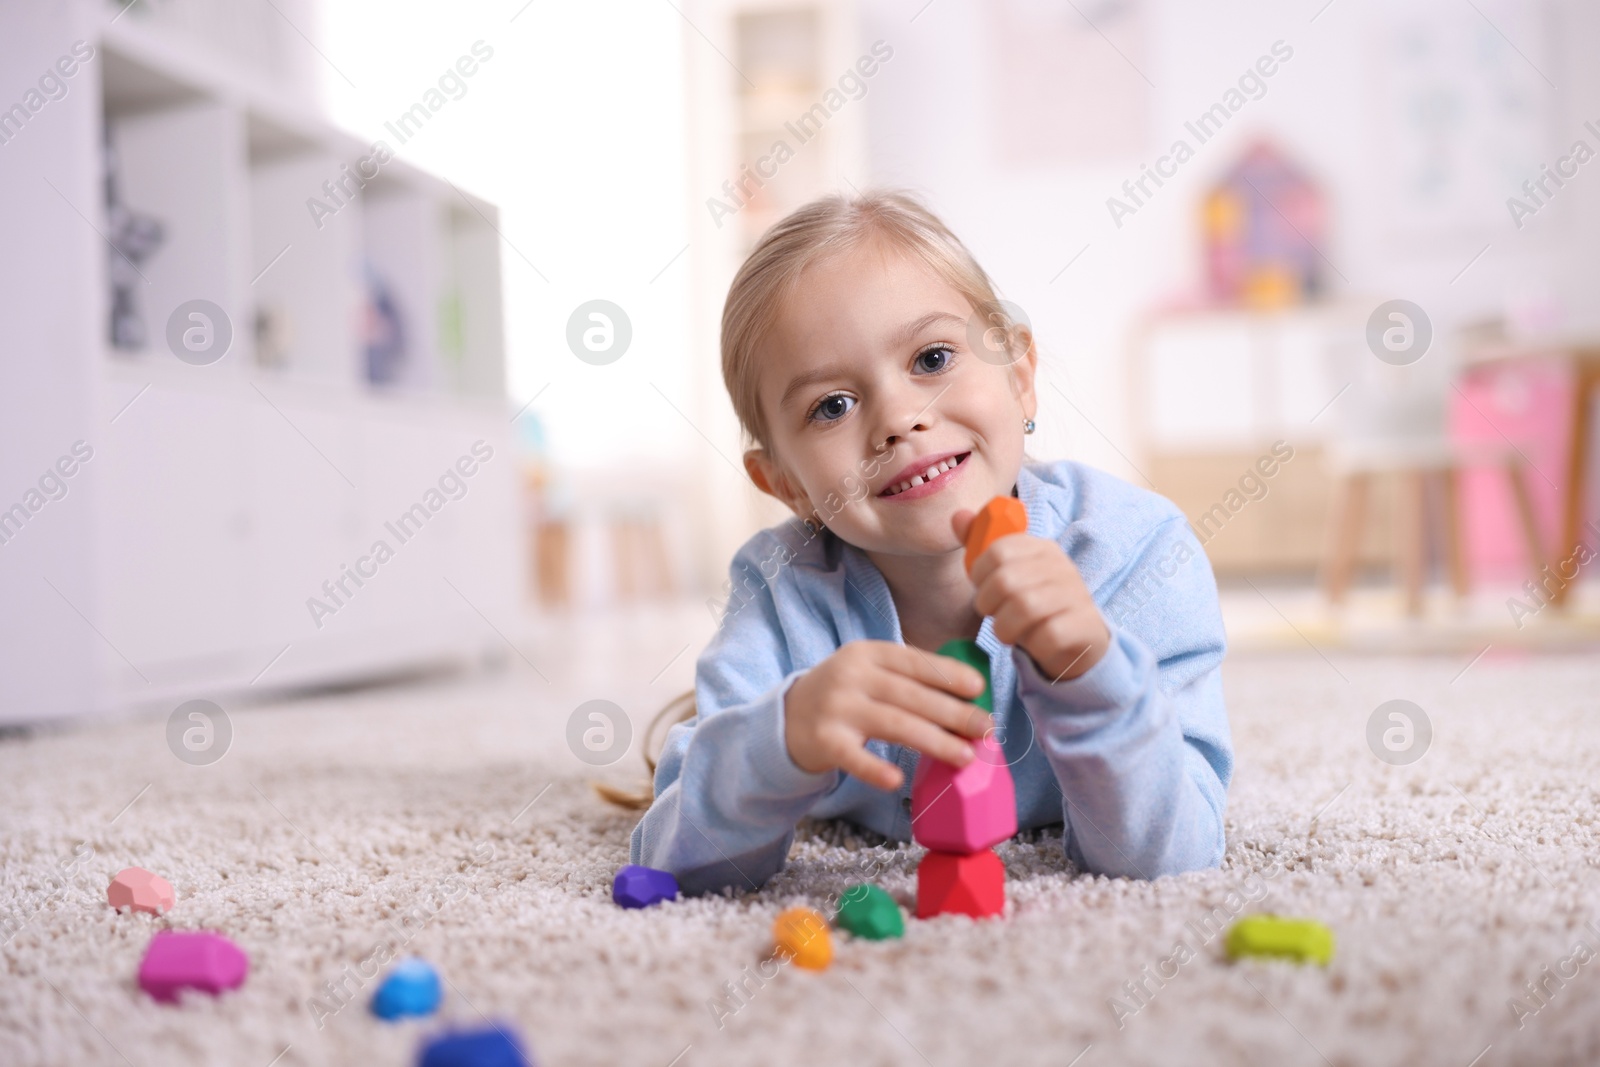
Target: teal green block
{"points": [[968, 652], [867, 911]]}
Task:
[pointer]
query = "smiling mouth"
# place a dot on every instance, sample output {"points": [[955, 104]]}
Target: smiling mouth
{"points": [[933, 473]]}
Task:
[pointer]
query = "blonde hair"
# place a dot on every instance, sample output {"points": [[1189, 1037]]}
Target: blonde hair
{"points": [[679, 709], [826, 227]]}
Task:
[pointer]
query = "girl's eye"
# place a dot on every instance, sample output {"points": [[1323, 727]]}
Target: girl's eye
{"points": [[933, 360], [832, 408]]}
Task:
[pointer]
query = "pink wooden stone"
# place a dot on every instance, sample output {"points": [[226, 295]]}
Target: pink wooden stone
{"points": [[180, 960], [138, 889], [964, 810]]}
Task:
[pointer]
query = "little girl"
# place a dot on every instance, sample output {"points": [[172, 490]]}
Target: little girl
{"points": [[879, 416]]}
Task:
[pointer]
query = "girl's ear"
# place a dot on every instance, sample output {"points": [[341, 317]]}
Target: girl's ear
{"points": [[1024, 371], [769, 477]]}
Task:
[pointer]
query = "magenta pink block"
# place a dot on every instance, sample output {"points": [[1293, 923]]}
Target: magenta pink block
{"points": [[964, 810], [204, 961]]}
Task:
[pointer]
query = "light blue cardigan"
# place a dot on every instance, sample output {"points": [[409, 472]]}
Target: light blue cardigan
{"points": [[1134, 756]]}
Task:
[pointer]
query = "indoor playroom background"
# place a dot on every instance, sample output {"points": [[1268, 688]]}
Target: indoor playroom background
{"points": [[409, 214], [360, 393]]}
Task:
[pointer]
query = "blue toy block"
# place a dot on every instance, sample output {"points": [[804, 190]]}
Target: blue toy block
{"points": [[495, 1046], [640, 887], [411, 988]]}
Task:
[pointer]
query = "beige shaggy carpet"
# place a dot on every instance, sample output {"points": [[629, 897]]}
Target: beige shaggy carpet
{"points": [[450, 813]]}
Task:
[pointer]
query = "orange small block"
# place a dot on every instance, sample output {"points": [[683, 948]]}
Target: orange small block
{"points": [[1000, 516], [802, 936]]}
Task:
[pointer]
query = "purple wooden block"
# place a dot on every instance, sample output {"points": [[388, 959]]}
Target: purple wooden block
{"points": [[640, 887], [204, 961]]}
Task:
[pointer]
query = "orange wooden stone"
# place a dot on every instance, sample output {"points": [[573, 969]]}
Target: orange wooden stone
{"points": [[802, 936], [1001, 516]]}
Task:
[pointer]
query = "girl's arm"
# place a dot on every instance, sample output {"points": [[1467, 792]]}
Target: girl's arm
{"points": [[727, 794], [1140, 742]]}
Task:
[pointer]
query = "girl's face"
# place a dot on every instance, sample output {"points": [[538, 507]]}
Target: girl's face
{"points": [[868, 382]]}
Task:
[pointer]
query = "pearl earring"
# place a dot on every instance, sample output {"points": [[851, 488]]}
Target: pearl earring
{"points": [[1028, 426]]}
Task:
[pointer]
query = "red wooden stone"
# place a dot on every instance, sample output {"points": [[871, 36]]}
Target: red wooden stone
{"points": [[951, 884]]}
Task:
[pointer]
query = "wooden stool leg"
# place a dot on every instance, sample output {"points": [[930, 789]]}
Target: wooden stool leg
{"points": [[625, 555], [535, 560], [1455, 550], [555, 563], [1530, 523], [1584, 387], [1410, 536], [1352, 513], [656, 550]]}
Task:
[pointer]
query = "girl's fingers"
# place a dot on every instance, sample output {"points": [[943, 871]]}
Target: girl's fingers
{"points": [[953, 714], [1007, 550], [940, 672], [1017, 615], [875, 772], [961, 522], [1022, 578], [889, 723]]}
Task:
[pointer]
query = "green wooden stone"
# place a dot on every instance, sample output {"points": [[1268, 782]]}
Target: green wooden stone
{"points": [[869, 912], [1301, 940], [968, 652]]}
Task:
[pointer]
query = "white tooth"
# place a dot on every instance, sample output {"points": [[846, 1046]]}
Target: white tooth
{"points": [[916, 480], [946, 465], [931, 473]]}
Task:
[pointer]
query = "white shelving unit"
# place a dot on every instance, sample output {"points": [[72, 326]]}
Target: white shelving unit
{"points": [[219, 498]]}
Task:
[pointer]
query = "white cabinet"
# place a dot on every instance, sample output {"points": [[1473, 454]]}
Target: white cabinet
{"points": [[1214, 390], [174, 546], [187, 557]]}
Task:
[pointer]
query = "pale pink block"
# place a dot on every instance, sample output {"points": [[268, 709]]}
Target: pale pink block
{"points": [[137, 889], [964, 810], [204, 961]]}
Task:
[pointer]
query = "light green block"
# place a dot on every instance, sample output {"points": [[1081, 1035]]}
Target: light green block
{"points": [[1301, 940]]}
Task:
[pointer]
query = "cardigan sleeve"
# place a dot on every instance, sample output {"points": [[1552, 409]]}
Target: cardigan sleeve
{"points": [[1140, 743], [728, 796]]}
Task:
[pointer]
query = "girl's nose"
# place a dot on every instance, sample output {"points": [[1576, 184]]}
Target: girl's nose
{"points": [[905, 412]]}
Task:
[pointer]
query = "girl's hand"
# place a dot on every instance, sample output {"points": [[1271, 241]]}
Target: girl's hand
{"points": [[881, 690], [1039, 602]]}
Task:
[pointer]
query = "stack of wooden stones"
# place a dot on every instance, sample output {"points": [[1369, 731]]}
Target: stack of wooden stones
{"points": [[960, 814]]}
